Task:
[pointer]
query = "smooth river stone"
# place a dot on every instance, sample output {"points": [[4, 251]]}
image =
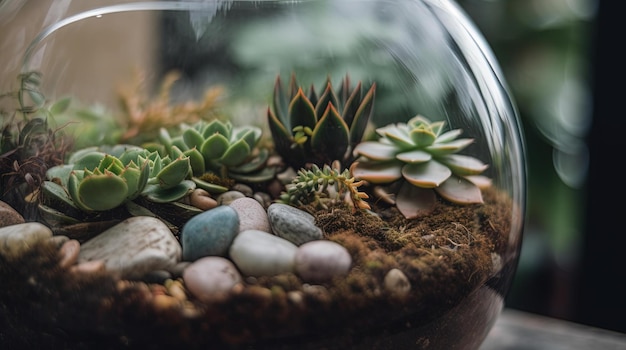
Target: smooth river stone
{"points": [[211, 277], [17, 239], [252, 215], [258, 253], [9, 216], [320, 261], [134, 247], [293, 224], [209, 233]]}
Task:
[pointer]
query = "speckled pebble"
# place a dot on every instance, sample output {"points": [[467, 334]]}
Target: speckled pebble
{"points": [[252, 215], [397, 283], [134, 247], [320, 261], [211, 278], [9, 216], [17, 239], [209, 233], [258, 253], [293, 224]]}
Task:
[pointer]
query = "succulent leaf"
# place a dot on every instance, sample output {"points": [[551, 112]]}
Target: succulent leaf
{"points": [[376, 150], [463, 165], [214, 146], [236, 153], [171, 194], [99, 192], [331, 136], [301, 111], [426, 175], [416, 156], [174, 173], [414, 202], [377, 172], [440, 149], [460, 191], [193, 138]]}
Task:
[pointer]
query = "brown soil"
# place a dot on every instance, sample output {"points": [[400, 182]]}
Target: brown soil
{"points": [[446, 256]]}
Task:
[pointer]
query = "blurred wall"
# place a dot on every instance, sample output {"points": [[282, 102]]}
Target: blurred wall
{"points": [[87, 56]]}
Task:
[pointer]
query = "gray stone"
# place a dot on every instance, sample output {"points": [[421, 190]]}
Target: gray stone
{"points": [[134, 247], [258, 253], [15, 240], [321, 260], [209, 233], [293, 224]]}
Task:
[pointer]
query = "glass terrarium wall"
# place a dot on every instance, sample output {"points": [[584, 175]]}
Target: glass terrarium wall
{"points": [[138, 71]]}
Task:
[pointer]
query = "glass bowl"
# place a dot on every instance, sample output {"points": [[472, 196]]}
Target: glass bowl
{"points": [[257, 174]]}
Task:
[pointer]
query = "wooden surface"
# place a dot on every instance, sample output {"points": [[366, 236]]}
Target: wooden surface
{"points": [[518, 330]]}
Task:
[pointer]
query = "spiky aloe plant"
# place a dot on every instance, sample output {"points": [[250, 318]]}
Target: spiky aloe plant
{"points": [[319, 129], [422, 155]]}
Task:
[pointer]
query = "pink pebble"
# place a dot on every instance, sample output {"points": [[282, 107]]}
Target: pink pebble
{"points": [[69, 253], [252, 215]]}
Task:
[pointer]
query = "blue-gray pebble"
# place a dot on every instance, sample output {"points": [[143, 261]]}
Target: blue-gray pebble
{"points": [[209, 233], [293, 224]]}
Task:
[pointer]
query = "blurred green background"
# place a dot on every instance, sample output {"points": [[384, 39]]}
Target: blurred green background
{"points": [[544, 48]]}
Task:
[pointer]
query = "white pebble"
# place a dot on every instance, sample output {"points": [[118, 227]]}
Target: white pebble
{"points": [[397, 283], [258, 253]]}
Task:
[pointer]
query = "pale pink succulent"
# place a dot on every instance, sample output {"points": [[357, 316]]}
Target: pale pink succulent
{"points": [[420, 156]]}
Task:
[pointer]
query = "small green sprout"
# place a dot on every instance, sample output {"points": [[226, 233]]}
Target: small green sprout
{"points": [[316, 186]]}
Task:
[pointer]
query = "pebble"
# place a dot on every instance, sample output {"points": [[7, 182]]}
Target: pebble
{"points": [[209, 233], [59, 240], [201, 199], [211, 278], [263, 198], [134, 247], [89, 267], [243, 188], [252, 215], [69, 253], [9, 216], [15, 240], [320, 261], [397, 283], [228, 197], [258, 253], [293, 224], [157, 276]]}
